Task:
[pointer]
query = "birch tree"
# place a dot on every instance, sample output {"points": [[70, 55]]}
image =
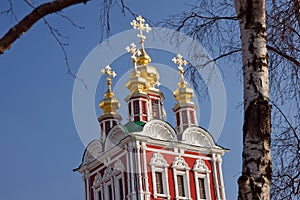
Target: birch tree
{"points": [[254, 183]]}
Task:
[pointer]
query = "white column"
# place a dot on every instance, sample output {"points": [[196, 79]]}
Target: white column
{"points": [[219, 162], [139, 171], [132, 172], [128, 171], [87, 181], [215, 177], [84, 182], [147, 197]]}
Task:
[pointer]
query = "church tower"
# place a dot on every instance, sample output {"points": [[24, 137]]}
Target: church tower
{"points": [[146, 158]]}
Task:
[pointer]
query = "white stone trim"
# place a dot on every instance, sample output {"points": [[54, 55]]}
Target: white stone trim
{"points": [[198, 137], [117, 186], [180, 167], [215, 177], [219, 164], [96, 193], [106, 192], [158, 129], [201, 171], [118, 167], [145, 171], [200, 166], [159, 164]]}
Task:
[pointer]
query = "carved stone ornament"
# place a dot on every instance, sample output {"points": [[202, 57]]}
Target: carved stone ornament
{"points": [[93, 151], [98, 180], [107, 173], [200, 166], [198, 137], [116, 134], [179, 163], [158, 160], [158, 129], [119, 167]]}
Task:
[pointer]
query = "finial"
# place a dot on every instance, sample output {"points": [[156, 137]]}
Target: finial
{"points": [[182, 94], [132, 49], [139, 24], [107, 71], [143, 58], [181, 62]]}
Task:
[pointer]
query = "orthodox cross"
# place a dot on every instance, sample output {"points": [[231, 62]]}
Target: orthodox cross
{"points": [[132, 49], [139, 24], [109, 73], [181, 62]]}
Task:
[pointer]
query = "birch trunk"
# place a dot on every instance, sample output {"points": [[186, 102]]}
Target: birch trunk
{"points": [[254, 183]]}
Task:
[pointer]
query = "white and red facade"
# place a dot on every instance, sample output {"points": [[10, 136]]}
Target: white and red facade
{"points": [[147, 158], [128, 164]]}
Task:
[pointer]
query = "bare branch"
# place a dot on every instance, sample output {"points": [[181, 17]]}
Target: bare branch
{"points": [[28, 21], [290, 58]]}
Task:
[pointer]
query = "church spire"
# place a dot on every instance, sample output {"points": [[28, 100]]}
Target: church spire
{"points": [[185, 109], [145, 100], [109, 105]]}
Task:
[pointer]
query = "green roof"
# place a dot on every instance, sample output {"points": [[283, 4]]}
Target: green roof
{"points": [[134, 126]]}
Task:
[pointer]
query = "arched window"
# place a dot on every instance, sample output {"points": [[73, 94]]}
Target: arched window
{"points": [[159, 171], [119, 180], [181, 178], [201, 175], [155, 109], [98, 187], [192, 117]]}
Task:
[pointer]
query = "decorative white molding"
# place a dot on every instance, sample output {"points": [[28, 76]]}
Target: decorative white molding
{"points": [[159, 164], [200, 166], [92, 152], [205, 177], [158, 160], [97, 181], [180, 167], [119, 167], [180, 164], [158, 129], [117, 186], [197, 136], [115, 135], [108, 173]]}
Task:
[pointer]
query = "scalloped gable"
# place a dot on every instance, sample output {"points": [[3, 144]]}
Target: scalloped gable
{"points": [[197, 136], [115, 135], [158, 129], [93, 151]]}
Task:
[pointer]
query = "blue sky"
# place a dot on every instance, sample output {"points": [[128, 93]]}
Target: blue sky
{"points": [[39, 143]]}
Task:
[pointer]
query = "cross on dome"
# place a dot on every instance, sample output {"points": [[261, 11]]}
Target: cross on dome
{"points": [[139, 24], [133, 50], [181, 62], [109, 73]]}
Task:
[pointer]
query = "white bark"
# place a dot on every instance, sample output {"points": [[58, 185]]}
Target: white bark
{"points": [[254, 182]]}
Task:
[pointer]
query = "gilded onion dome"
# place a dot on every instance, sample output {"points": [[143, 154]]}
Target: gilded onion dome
{"points": [[183, 94], [136, 83], [109, 104], [142, 60]]}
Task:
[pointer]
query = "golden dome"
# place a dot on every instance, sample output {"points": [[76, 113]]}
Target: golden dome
{"points": [[143, 77], [183, 94], [109, 104], [143, 58], [136, 83]]}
